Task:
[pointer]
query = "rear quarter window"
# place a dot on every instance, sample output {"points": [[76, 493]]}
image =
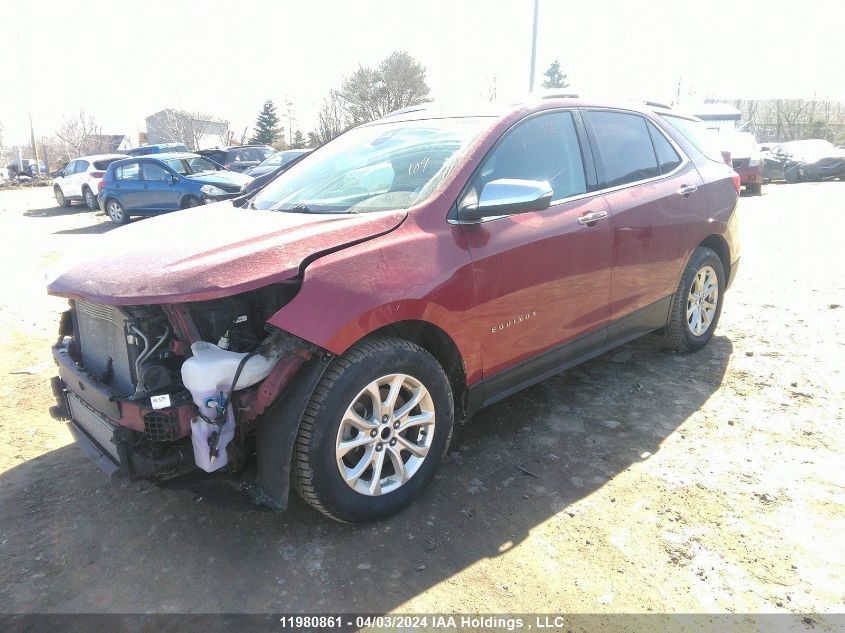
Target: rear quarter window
{"points": [[127, 172], [696, 133]]}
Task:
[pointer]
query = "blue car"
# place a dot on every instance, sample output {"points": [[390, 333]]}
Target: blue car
{"points": [[149, 185]]}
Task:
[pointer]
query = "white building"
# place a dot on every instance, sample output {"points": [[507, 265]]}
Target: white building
{"points": [[194, 130]]}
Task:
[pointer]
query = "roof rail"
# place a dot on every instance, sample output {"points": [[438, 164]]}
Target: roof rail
{"points": [[559, 95], [657, 104], [414, 108]]}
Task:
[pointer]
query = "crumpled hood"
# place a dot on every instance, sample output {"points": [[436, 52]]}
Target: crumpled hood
{"points": [[209, 252]]}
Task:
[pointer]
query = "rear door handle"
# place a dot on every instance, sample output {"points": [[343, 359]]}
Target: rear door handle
{"points": [[592, 218], [686, 190]]}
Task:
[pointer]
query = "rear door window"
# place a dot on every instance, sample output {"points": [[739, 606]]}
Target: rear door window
{"points": [[81, 165], [667, 158], [541, 148], [625, 147], [127, 172]]}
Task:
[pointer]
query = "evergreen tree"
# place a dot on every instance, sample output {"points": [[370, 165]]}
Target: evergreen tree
{"points": [[298, 141], [555, 78], [266, 126]]}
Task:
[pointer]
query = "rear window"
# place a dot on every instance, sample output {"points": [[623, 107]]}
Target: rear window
{"points": [[625, 147], [696, 133], [103, 164]]}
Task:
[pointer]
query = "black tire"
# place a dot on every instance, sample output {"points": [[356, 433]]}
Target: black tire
{"points": [[791, 175], [116, 212], [190, 201], [90, 198], [60, 197], [755, 189], [316, 475], [678, 333]]}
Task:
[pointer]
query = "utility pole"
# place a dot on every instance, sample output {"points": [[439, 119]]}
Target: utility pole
{"points": [[34, 146], [289, 140], [534, 46]]}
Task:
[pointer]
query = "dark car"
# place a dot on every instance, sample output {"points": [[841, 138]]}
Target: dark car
{"points": [[275, 161], [392, 283], [746, 159], [160, 148], [153, 184], [812, 159], [239, 158], [262, 179]]}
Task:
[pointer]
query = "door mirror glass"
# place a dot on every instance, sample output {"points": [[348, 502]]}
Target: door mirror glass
{"points": [[509, 196]]}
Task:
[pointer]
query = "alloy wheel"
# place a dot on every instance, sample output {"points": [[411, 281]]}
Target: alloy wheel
{"points": [[702, 300], [385, 434], [90, 199], [115, 211]]}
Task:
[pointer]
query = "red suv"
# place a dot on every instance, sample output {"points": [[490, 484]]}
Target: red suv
{"points": [[332, 328]]}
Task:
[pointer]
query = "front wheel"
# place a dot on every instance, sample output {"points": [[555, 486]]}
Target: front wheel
{"points": [[190, 202], [116, 212], [374, 431], [60, 197], [697, 303]]}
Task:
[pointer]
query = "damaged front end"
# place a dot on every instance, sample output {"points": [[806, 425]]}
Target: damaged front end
{"points": [[157, 391]]}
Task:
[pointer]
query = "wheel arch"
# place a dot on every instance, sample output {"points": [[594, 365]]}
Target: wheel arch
{"points": [[185, 196], [439, 344], [719, 245]]}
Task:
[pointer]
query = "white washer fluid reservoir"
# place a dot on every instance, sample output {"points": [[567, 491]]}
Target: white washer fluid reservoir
{"points": [[207, 375]]}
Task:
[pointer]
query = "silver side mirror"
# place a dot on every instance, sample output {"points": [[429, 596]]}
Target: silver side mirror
{"points": [[509, 196]]}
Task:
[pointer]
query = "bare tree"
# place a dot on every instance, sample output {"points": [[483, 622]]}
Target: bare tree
{"points": [[332, 119], [398, 82], [81, 135]]}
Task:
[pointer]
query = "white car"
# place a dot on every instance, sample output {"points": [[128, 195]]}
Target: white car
{"points": [[78, 181]]}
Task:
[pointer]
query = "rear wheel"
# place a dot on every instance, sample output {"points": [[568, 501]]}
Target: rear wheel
{"points": [[374, 431], [697, 303], [755, 189], [60, 197], [116, 212], [90, 198]]}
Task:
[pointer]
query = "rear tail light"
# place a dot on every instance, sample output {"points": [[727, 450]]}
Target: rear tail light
{"points": [[100, 185], [97, 174], [227, 165], [737, 181]]}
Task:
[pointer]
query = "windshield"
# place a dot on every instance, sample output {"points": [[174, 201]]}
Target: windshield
{"points": [[190, 166], [812, 148], [374, 168]]}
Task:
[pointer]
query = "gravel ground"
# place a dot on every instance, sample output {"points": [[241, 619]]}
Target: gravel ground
{"points": [[659, 483]]}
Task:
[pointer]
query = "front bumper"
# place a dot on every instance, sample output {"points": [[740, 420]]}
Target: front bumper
{"points": [[116, 434]]}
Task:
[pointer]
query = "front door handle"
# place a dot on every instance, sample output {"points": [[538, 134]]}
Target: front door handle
{"points": [[686, 190], [591, 218]]}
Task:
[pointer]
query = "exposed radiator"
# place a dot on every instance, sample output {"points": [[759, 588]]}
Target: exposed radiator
{"points": [[102, 341]]}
